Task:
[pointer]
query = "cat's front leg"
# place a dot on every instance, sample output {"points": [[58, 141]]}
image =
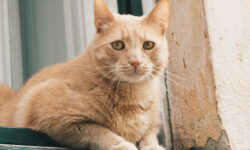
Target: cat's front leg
{"points": [[124, 146], [150, 142], [158, 147], [91, 136]]}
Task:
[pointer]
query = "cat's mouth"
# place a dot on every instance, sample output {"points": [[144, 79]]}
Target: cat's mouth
{"points": [[136, 72], [134, 75]]}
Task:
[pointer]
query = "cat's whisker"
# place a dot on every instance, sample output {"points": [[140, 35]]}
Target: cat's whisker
{"points": [[117, 89], [103, 68], [171, 96], [113, 81], [155, 70], [107, 93], [106, 67], [145, 69], [174, 75], [177, 83], [151, 75], [157, 67], [172, 80], [106, 75], [169, 93], [147, 78], [125, 70]]}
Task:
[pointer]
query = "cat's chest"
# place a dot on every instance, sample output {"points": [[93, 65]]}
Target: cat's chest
{"points": [[132, 110], [131, 123]]}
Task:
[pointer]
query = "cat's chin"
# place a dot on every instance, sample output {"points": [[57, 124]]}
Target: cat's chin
{"points": [[135, 77]]}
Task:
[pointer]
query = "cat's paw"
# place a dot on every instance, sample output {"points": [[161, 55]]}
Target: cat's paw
{"points": [[124, 146], [158, 147]]}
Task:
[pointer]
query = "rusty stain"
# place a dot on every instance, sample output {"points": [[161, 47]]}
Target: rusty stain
{"points": [[240, 48], [240, 57], [177, 43], [184, 63], [205, 35]]}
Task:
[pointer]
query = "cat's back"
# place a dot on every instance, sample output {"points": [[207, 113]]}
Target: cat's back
{"points": [[56, 79], [6, 95]]}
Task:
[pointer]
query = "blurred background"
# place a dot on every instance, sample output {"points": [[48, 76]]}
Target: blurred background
{"points": [[39, 33]]}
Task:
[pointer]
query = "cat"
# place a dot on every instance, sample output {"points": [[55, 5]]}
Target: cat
{"points": [[108, 97]]}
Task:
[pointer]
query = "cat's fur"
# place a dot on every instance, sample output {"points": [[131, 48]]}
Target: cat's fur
{"points": [[97, 100]]}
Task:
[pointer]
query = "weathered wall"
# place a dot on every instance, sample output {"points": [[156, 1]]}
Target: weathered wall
{"points": [[229, 34], [193, 106], [209, 99]]}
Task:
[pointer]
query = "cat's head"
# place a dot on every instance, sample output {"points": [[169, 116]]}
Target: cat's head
{"points": [[130, 48]]}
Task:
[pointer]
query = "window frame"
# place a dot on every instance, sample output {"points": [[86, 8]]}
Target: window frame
{"points": [[11, 69]]}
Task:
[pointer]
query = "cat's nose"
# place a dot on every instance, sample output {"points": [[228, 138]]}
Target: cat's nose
{"points": [[135, 64]]}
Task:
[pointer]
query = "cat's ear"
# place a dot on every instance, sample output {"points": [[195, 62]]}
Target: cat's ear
{"points": [[103, 16], [159, 15]]}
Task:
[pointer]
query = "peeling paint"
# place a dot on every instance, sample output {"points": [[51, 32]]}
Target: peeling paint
{"points": [[221, 144]]}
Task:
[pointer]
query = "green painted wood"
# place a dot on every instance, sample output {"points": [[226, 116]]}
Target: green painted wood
{"points": [[23, 136], [133, 7], [124, 6], [136, 7], [22, 147]]}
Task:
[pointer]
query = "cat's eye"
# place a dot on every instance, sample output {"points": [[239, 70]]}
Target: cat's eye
{"points": [[118, 45], [148, 45]]}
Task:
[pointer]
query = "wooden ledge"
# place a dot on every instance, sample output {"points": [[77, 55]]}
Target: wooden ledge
{"points": [[24, 147], [25, 138]]}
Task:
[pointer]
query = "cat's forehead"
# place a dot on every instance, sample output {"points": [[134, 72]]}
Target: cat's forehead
{"points": [[128, 25]]}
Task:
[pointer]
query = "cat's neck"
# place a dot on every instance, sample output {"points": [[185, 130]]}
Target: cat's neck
{"points": [[125, 93]]}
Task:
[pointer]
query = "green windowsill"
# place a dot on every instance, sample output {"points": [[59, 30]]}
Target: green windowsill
{"points": [[25, 147], [25, 138]]}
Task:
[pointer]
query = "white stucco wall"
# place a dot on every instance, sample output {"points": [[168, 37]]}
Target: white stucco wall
{"points": [[229, 33]]}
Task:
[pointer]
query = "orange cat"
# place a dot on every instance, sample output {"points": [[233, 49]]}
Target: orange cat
{"points": [[108, 98]]}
